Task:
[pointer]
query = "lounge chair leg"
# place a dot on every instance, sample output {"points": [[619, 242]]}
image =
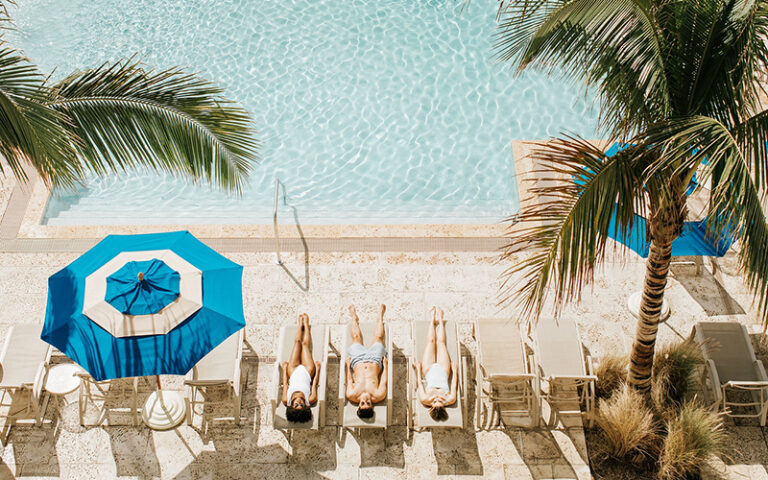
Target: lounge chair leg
{"points": [[236, 400]]}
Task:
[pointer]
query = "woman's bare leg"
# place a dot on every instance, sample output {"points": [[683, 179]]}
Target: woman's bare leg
{"points": [[443, 357], [306, 344], [295, 359], [428, 358]]}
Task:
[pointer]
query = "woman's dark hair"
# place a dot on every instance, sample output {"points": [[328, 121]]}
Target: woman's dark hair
{"points": [[438, 414], [298, 415], [365, 412]]}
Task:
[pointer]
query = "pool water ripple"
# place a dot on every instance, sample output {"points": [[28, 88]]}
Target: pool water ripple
{"points": [[387, 111]]}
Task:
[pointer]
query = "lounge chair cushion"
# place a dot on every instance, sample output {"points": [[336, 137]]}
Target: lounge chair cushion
{"points": [[500, 347], [558, 348], [24, 357], [220, 364], [728, 345]]}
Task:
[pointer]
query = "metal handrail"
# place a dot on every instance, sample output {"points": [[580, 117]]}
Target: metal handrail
{"points": [[274, 223]]}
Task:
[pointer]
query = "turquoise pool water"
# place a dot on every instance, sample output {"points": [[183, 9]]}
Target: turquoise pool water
{"points": [[385, 111]]}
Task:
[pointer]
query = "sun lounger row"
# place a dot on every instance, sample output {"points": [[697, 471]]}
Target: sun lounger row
{"points": [[516, 373]]}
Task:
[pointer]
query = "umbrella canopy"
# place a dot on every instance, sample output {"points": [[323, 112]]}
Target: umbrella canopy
{"points": [[138, 305], [694, 241]]}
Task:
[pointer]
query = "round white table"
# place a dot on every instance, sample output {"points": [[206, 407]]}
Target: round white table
{"points": [[63, 379], [633, 304], [164, 410]]}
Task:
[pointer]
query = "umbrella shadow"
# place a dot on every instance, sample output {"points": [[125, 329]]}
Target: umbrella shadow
{"points": [[34, 451], [706, 288], [303, 285]]}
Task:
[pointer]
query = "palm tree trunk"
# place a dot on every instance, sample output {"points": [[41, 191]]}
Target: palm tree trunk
{"points": [[641, 358], [665, 227]]}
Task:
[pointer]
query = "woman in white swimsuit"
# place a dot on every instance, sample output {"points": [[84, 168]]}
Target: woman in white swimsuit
{"points": [[299, 376], [436, 367]]}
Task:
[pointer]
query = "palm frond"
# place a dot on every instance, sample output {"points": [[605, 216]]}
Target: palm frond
{"points": [[169, 120], [31, 133], [565, 233], [613, 44]]}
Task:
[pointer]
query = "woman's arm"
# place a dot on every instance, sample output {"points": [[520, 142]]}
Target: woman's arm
{"points": [[313, 391], [350, 387], [454, 384], [420, 392], [285, 383]]}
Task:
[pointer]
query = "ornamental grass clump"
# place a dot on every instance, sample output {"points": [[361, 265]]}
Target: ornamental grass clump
{"points": [[693, 436], [627, 427], [611, 374], [675, 375]]}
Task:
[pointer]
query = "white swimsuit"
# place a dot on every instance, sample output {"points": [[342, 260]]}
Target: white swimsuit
{"points": [[437, 378], [300, 381]]}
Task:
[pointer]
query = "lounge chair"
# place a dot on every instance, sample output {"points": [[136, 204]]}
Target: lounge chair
{"points": [[731, 366], [382, 411], [24, 360], [220, 368], [418, 414], [506, 382], [568, 375], [320, 346], [118, 395]]}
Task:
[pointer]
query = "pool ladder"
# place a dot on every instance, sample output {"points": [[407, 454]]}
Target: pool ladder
{"points": [[274, 223]]}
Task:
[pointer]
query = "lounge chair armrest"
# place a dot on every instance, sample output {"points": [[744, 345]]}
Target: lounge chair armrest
{"points": [[760, 369], [322, 383], [714, 378], [747, 385], [390, 370], [342, 392], [277, 396]]}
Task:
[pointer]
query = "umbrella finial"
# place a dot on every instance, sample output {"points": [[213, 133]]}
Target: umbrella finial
{"points": [[141, 276]]}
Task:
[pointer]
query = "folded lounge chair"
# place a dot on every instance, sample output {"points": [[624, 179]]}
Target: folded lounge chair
{"points": [[221, 367], [506, 382], [321, 338], [569, 377], [731, 367], [418, 414], [382, 411], [24, 360]]}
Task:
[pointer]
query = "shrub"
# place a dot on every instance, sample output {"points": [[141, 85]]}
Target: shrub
{"points": [[627, 427], [693, 436], [675, 370], [611, 374]]}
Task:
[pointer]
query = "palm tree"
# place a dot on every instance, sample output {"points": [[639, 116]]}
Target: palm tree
{"points": [[116, 117], [680, 80]]}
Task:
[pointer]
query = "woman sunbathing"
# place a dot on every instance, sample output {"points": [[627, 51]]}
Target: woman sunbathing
{"points": [[300, 376], [436, 394]]}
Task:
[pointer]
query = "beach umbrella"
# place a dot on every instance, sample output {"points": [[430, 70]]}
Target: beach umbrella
{"points": [[142, 305]]}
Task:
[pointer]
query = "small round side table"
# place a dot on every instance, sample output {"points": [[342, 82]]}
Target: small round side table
{"points": [[62, 380]]}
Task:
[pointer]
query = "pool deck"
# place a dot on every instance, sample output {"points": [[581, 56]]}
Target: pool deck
{"points": [[321, 278]]}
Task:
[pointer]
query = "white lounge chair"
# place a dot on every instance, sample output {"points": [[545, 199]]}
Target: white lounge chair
{"points": [[731, 366], [569, 376], [220, 368], [119, 395], [418, 414], [321, 337], [382, 411], [507, 385], [24, 360]]}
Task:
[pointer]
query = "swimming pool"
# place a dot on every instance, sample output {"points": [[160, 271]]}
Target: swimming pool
{"points": [[385, 111]]}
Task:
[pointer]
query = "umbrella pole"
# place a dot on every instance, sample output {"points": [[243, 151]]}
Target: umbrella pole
{"points": [[159, 387]]}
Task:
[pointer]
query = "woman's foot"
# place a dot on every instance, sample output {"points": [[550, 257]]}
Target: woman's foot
{"points": [[432, 312], [383, 309], [353, 313], [441, 314]]}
